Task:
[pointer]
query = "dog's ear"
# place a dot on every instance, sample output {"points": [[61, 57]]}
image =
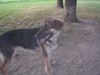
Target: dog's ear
{"points": [[53, 23], [48, 23], [58, 24]]}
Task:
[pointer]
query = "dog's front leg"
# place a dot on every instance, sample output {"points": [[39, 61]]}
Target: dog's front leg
{"points": [[47, 61], [45, 58], [47, 65]]}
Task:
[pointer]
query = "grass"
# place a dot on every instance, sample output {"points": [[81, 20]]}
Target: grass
{"points": [[7, 8], [26, 14], [93, 4]]}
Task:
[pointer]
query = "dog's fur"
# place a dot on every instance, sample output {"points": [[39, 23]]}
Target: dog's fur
{"points": [[30, 38]]}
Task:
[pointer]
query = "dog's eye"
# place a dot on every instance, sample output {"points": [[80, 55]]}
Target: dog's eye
{"points": [[49, 41]]}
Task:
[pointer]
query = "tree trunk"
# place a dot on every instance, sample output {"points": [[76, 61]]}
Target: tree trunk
{"points": [[70, 10], [60, 4]]}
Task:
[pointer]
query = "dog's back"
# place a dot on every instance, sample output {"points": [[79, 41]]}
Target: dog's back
{"points": [[19, 37]]}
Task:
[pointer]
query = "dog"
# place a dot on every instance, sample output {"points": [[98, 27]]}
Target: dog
{"points": [[44, 37]]}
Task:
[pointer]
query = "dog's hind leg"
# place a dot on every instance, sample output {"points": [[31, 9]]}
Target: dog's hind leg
{"points": [[4, 67], [7, 58]]}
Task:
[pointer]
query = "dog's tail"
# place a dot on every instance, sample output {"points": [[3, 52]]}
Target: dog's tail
{"points": [[2, 59]]}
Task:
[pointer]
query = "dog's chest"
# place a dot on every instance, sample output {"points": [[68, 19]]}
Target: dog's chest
{"points": [[53, 44]]}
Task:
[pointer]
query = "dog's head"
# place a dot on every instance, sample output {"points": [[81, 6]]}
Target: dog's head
{"points": [[49, 33], [51, 23], [54, 26]]}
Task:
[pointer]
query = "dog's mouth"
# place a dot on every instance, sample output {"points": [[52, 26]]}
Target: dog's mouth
{"points": [[51, 45]]}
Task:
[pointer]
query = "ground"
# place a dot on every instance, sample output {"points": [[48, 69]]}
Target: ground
{"points": [[78, 53], [79, 45]]}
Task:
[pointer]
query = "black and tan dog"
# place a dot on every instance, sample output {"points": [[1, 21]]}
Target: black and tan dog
{"points": [[44, 37]]}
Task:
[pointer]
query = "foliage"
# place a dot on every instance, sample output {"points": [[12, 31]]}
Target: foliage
{"points": [[28, 12]]}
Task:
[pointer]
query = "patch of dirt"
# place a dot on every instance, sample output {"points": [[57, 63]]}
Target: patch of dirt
{"points": [[78, 53]]}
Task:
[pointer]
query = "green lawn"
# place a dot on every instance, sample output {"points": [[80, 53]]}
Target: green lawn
{"points": [[92, 4], [26, 13], [7, 7]]}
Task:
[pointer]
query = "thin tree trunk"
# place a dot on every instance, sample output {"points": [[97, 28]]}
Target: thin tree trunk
{"points": [[60, 4], [70, 10]]}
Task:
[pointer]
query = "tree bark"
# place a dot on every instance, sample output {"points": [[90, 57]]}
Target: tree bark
{"points": [[70, 10], [60, 4]]}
